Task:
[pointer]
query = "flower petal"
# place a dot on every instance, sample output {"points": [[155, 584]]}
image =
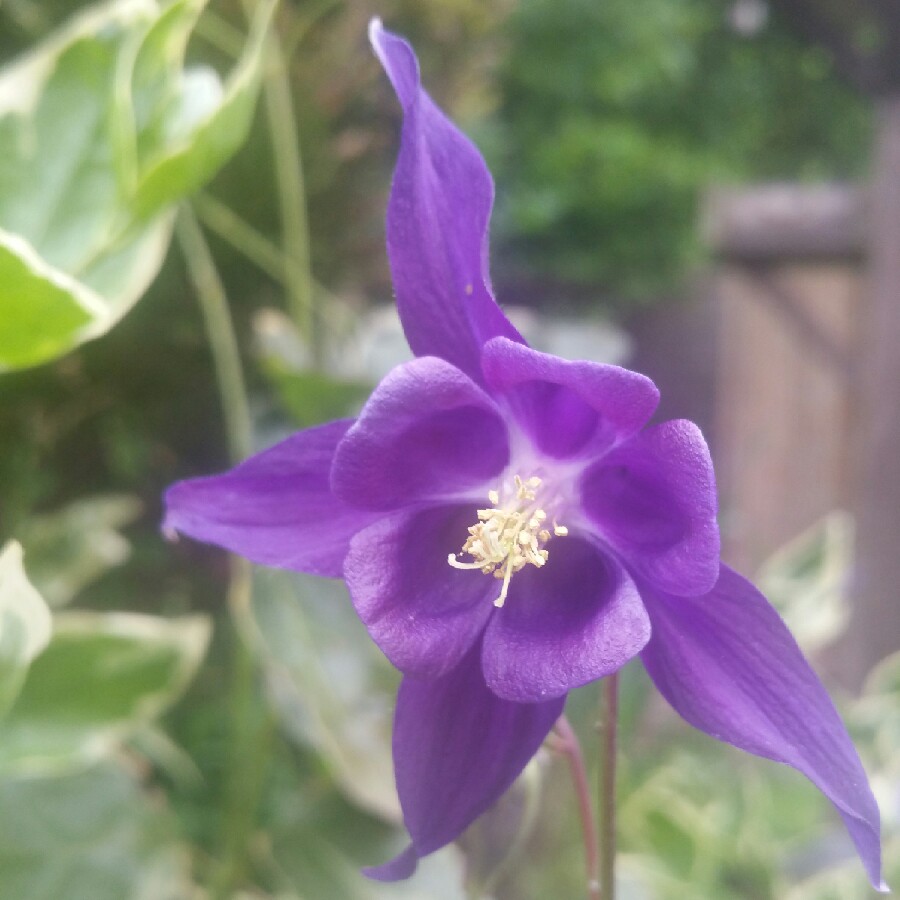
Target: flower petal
{"points": [[566, 407], [426, 432], [422, 613], [437, 224], [728, 664], [457, 748], [653, 500], [572, 621], [275, 508]]}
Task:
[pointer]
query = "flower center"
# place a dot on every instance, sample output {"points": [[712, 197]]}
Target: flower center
{"points": [[509, 537]]}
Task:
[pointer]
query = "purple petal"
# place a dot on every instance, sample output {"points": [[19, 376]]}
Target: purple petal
{"points": [[422, 613], [566, 407], [437, 224], [426, 432], [653, 500], [275, 508], [572, 621], [457, 748], [728, 664]]}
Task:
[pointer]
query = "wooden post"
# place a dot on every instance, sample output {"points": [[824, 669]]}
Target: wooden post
{"points": [[875, 628], [790, 297]]}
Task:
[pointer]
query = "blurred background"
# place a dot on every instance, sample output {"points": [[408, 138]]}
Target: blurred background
{"points": [[706, 191]]}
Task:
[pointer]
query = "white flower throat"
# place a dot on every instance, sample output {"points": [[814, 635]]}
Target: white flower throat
{"points": [[509, 537]]}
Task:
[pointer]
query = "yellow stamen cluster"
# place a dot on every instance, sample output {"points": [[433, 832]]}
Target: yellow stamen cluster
{"points": [[505, 540]]}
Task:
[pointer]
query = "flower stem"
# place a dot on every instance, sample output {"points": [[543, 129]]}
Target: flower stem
{"points": [[569, 745], [607, 799], [220, 333], [291, 191], [252, 729], [225, 223]]}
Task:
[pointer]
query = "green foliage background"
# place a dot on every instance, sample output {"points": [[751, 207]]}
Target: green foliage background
{"points": [[613, 119]]}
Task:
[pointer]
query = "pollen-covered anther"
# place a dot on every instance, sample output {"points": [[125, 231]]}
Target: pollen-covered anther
{"points": [[508, 537]]}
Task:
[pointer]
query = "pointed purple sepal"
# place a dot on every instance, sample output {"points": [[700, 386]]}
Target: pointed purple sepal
{"points": [[437, 224], [457, 748], [276, 508], [728, 665], [402, 866]]}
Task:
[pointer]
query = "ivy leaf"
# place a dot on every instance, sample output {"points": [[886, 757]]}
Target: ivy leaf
{"points": [[103, 677], [204, 124], [71, 547], [24, 624], [102, 131]]}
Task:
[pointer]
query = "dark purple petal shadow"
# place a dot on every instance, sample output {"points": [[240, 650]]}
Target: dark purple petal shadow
{"points": [[568, 408]]}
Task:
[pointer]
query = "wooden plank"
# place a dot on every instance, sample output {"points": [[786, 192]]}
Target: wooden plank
{"points": [[875, 630], [784, 410], [778, 221]]}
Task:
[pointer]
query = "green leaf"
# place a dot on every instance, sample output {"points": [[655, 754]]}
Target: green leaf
{"points": [[332, 688], [102, 130], [24, 624], [72, 260], [57, 307], [205, 124], [94, 835], [71, 547], [103, 677], [311, 397]]}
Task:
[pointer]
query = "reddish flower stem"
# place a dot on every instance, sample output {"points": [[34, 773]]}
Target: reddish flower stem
{"points": [[607, 800], [568, 744]]}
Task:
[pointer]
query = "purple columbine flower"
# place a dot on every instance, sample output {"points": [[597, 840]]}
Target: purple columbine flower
{"points": [[510, 528]]}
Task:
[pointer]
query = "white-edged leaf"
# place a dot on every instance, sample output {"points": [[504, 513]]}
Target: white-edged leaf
{"points": [[101, 132], [205, 124], [102, 677], [25, 624], [71, 547]]}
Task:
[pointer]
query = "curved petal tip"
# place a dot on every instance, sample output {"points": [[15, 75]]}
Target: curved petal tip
{"points": [[399, 868], [397, 59]]}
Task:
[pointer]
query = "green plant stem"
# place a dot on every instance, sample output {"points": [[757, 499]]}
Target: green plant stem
{"points": [[225, 223], [569, 745], [609, 688], [252, 728], [220, 333], [291, 190]]}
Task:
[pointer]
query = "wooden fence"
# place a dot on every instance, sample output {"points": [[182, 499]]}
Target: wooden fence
{"points": [[790, 297]]}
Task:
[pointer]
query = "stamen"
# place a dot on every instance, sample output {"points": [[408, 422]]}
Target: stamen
{"points": [[506, 539]]}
